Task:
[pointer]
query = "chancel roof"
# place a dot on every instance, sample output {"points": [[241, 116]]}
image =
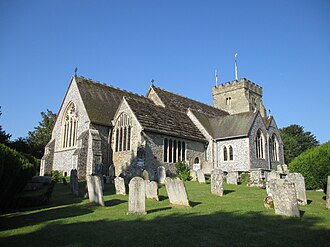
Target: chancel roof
{"points": [[101, 101], [161, 120], [229, 126], [180, 103]]}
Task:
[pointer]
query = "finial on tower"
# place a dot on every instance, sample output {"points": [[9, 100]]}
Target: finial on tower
{"points": [[236, 68], [216, 78]]}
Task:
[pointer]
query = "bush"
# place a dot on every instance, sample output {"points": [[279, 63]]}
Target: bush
{"points": [[183, 170], [314, 165], [56, 175], [15, 171], [245, 178]]}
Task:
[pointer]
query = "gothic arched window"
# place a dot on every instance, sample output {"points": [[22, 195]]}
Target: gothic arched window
{"points": [[231, 153], [69, 126], [259, 141], [225, 154], [273, 143], [123, 133]]}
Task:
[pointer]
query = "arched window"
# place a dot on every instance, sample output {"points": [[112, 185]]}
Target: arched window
{"points": [[196, 161], [259, 141], [123, 133], [273, 143], [231, 153], [70, 126], [225, 157]]}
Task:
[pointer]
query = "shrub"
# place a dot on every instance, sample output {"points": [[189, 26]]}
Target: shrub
{"points": [[56, 175], [15, 170], [245, 178], [183, 170], [314, 165]]}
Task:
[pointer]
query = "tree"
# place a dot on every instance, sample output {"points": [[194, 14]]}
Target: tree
{"points": [[314, 165], [42, 134], [296, 141], [4, 137]]}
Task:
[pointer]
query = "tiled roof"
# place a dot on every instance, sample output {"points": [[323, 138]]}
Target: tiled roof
{"points": [[158, 119], [101, 101], [180, 103], [230, 126]]}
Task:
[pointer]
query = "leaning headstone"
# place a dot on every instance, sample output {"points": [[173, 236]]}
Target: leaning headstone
{"points": [[217, 182], [152, 190], [137, 196], [299, 182], [145, 175], [74, 182], [95, 193], [232, 178], [284, 197], [327, 204], [120, 186], [200, 176], [193, 175], [255, 179], [176, 192], [161, 173]]}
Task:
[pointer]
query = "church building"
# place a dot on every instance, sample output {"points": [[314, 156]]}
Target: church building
{"points": [[98, 124]]}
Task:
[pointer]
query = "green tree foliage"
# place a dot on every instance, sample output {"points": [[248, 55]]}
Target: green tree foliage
{"points": [[42, 134], [15, 170], [4, 137], [296, 141], [314, 165], [183, 170]]}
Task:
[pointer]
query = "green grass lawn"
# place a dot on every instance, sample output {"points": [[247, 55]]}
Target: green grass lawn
{"points": [[236, 219]]}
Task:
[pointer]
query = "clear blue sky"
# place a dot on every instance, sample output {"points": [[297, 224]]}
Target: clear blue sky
{"points": [[284, 46]]}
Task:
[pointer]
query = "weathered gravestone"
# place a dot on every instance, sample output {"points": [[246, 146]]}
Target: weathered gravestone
{"points": [[193, 175], [120, 186], [282, 168], [217, 182], [284, 197], [161, 173], [273, 175], [232, 178], [74, 182], [145, 175], [95, 193], [152, 190], [255, 179], [137, 196], [176, 192], [299, 182], [200, 176], [327, 204], [99, 172]]}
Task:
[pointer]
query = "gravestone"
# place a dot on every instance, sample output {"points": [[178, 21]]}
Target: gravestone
{"points": [[273, 175], [120, 186], [94, 186], [112, 172], [299, 182], [232, 178], [284, 197], [74, 182], [255, 179], [193, 175], [200, 176], [137, 196], [327, 204], [145, 175], [161, 173], [217, 182], [176, 192], [282, 168], [152, 190], [99, 172]]}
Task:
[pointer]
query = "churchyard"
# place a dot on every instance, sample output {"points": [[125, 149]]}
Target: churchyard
{"points": [[238, 218]]}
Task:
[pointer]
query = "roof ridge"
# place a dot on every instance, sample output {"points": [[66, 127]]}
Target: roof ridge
{"points": [[109, 86]]}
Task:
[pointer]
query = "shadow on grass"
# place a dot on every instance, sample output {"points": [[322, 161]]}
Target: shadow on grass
{"points": [[162, 198], [226, 192], [114, 202], [309, 202], [194, 204], [225, 228], [158, 210]]}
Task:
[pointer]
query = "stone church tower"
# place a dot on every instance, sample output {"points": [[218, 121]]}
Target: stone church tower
{"points": [[238, 97]]}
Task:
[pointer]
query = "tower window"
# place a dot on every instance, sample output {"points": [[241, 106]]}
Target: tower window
{"points": [[228, 101]]}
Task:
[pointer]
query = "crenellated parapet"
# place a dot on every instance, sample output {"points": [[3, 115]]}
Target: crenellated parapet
{"points": [[235, 85]]}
